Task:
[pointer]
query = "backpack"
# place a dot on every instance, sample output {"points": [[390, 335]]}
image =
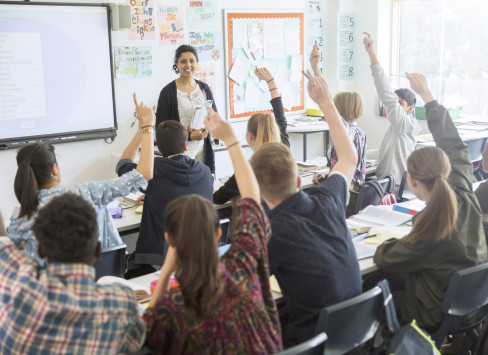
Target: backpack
{"points": [[376, 192]]}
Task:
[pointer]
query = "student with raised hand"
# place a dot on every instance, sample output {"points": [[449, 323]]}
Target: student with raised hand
{"points": [[38, 180], [400, 138], [218, 306], [60, 309], [350, 106], [261, 128], [447, 235], [175, 175], [311, 251]]}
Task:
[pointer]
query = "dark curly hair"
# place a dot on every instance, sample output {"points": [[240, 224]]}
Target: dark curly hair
{"points": [[179, 51], [66, 228], [407, 95]]}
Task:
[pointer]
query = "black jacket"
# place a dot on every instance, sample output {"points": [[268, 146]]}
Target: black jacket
{"points": [[168, 110], [173, 177]]}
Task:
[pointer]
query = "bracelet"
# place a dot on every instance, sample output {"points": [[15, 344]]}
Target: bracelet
{"points": [[231, 145], [147, 126], [147, 129], [273, 89], [270, 80]]}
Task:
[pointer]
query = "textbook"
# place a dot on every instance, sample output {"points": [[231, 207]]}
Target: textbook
{"points": [[142, 293], [382, 216], [317, 163]]}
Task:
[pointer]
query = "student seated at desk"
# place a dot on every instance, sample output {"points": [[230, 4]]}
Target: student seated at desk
{"points": [[220, 306], [60, 309], [310, 251], [447, 235], [350, 106], [482, 191], [38, 180], [175, 175], [261, 128], [399, 140]]}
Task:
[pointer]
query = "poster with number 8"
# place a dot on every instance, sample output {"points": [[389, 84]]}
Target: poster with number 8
{"points": [[345, 45]]}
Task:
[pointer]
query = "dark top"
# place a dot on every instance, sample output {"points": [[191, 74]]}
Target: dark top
{"points": [[244, 319], [173, 177], [229, 189], [312, 255], [168, 110], [482, 195], [430, 265]]}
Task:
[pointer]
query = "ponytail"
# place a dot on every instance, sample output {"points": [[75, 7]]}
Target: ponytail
{"points": [[430, 167], [263, 126], [34, 163], [192, 223]]}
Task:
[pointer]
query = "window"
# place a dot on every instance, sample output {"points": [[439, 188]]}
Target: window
{"points": [[447, 41]]}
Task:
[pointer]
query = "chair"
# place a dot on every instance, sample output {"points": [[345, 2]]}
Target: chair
{"points": [[224, 225], [465, 306], [351, 323], [475, 147], [314, 346], [372, 191], [404, 193], [112, 262]]}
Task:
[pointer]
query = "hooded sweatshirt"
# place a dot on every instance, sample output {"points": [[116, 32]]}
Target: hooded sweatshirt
{"points": [[173, 177]]}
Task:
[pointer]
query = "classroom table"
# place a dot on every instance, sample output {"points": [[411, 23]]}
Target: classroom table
{"points": [[305, 130]]}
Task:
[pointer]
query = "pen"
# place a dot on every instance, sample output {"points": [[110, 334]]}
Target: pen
{"points": [[135, 119], [305, 75], [370, 236]]}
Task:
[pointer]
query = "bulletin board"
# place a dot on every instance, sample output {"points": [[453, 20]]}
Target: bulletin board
{"points": [[271, 39]]}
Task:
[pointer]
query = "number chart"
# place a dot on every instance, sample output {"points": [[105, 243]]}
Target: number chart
{"points": [[345, 46]]}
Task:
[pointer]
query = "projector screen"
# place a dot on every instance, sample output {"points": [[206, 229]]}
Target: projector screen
{"points": [[56, 79]]}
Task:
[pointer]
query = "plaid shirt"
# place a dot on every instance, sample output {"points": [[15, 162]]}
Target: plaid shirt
{"points": [[61, 310], [358, 138]]}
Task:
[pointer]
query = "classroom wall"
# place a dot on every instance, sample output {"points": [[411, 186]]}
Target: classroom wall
{"points": [[93, 160]]}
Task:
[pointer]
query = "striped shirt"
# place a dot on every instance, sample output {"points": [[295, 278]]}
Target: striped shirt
{"points": [[61, 310]]}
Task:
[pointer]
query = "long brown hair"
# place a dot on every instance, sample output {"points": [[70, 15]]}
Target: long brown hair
{"points": [[430, 166], [263, 126], [34, 163], [192, 223]]}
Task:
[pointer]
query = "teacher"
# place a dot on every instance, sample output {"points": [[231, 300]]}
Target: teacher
{"points": [[178, 99]]}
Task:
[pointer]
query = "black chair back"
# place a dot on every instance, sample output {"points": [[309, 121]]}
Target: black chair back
{"points": [[372, 191], [351, 323], [404, 193], [314, 346], [465, 304], [112, 262]]}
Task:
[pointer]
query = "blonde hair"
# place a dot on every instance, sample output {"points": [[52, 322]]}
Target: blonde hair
{"points": [[431, 167], [350, 105], [276, 171], [264, 128]]}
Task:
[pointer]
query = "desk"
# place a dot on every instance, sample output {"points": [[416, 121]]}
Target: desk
{"points": [[309, 129]]}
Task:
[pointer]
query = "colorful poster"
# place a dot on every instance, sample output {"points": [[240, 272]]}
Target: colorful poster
{"points": [[133, 62], [171, 24], [206, 73], [143, 20], [207, 43], [202, 15]]}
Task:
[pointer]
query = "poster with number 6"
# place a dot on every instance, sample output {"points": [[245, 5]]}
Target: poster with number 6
{"points": [[345, 45]]}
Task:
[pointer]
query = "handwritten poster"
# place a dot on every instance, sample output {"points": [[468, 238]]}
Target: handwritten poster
{"points": [[207, 43], [206, 73], [133, 62], [143, 20], [345, 46], [171, 18], [202, 15]]}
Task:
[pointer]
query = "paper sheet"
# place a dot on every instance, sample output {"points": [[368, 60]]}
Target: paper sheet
{"points": [[290, 96], [282, 76], [240, 68], [239, 32], [239, 107], [292, 40], [296, 68], [251, 96], [238, 92], [273, 39], [255, 34]]}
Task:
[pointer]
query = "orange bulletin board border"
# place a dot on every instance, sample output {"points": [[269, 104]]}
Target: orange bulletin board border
{"points": [[229, 16]]}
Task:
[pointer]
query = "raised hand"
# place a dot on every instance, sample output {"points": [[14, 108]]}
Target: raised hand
{"points": [[218, 127], [318, 89], [263, 74], [145, 114], [418, 83], [315, 57], [368, 43]]}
